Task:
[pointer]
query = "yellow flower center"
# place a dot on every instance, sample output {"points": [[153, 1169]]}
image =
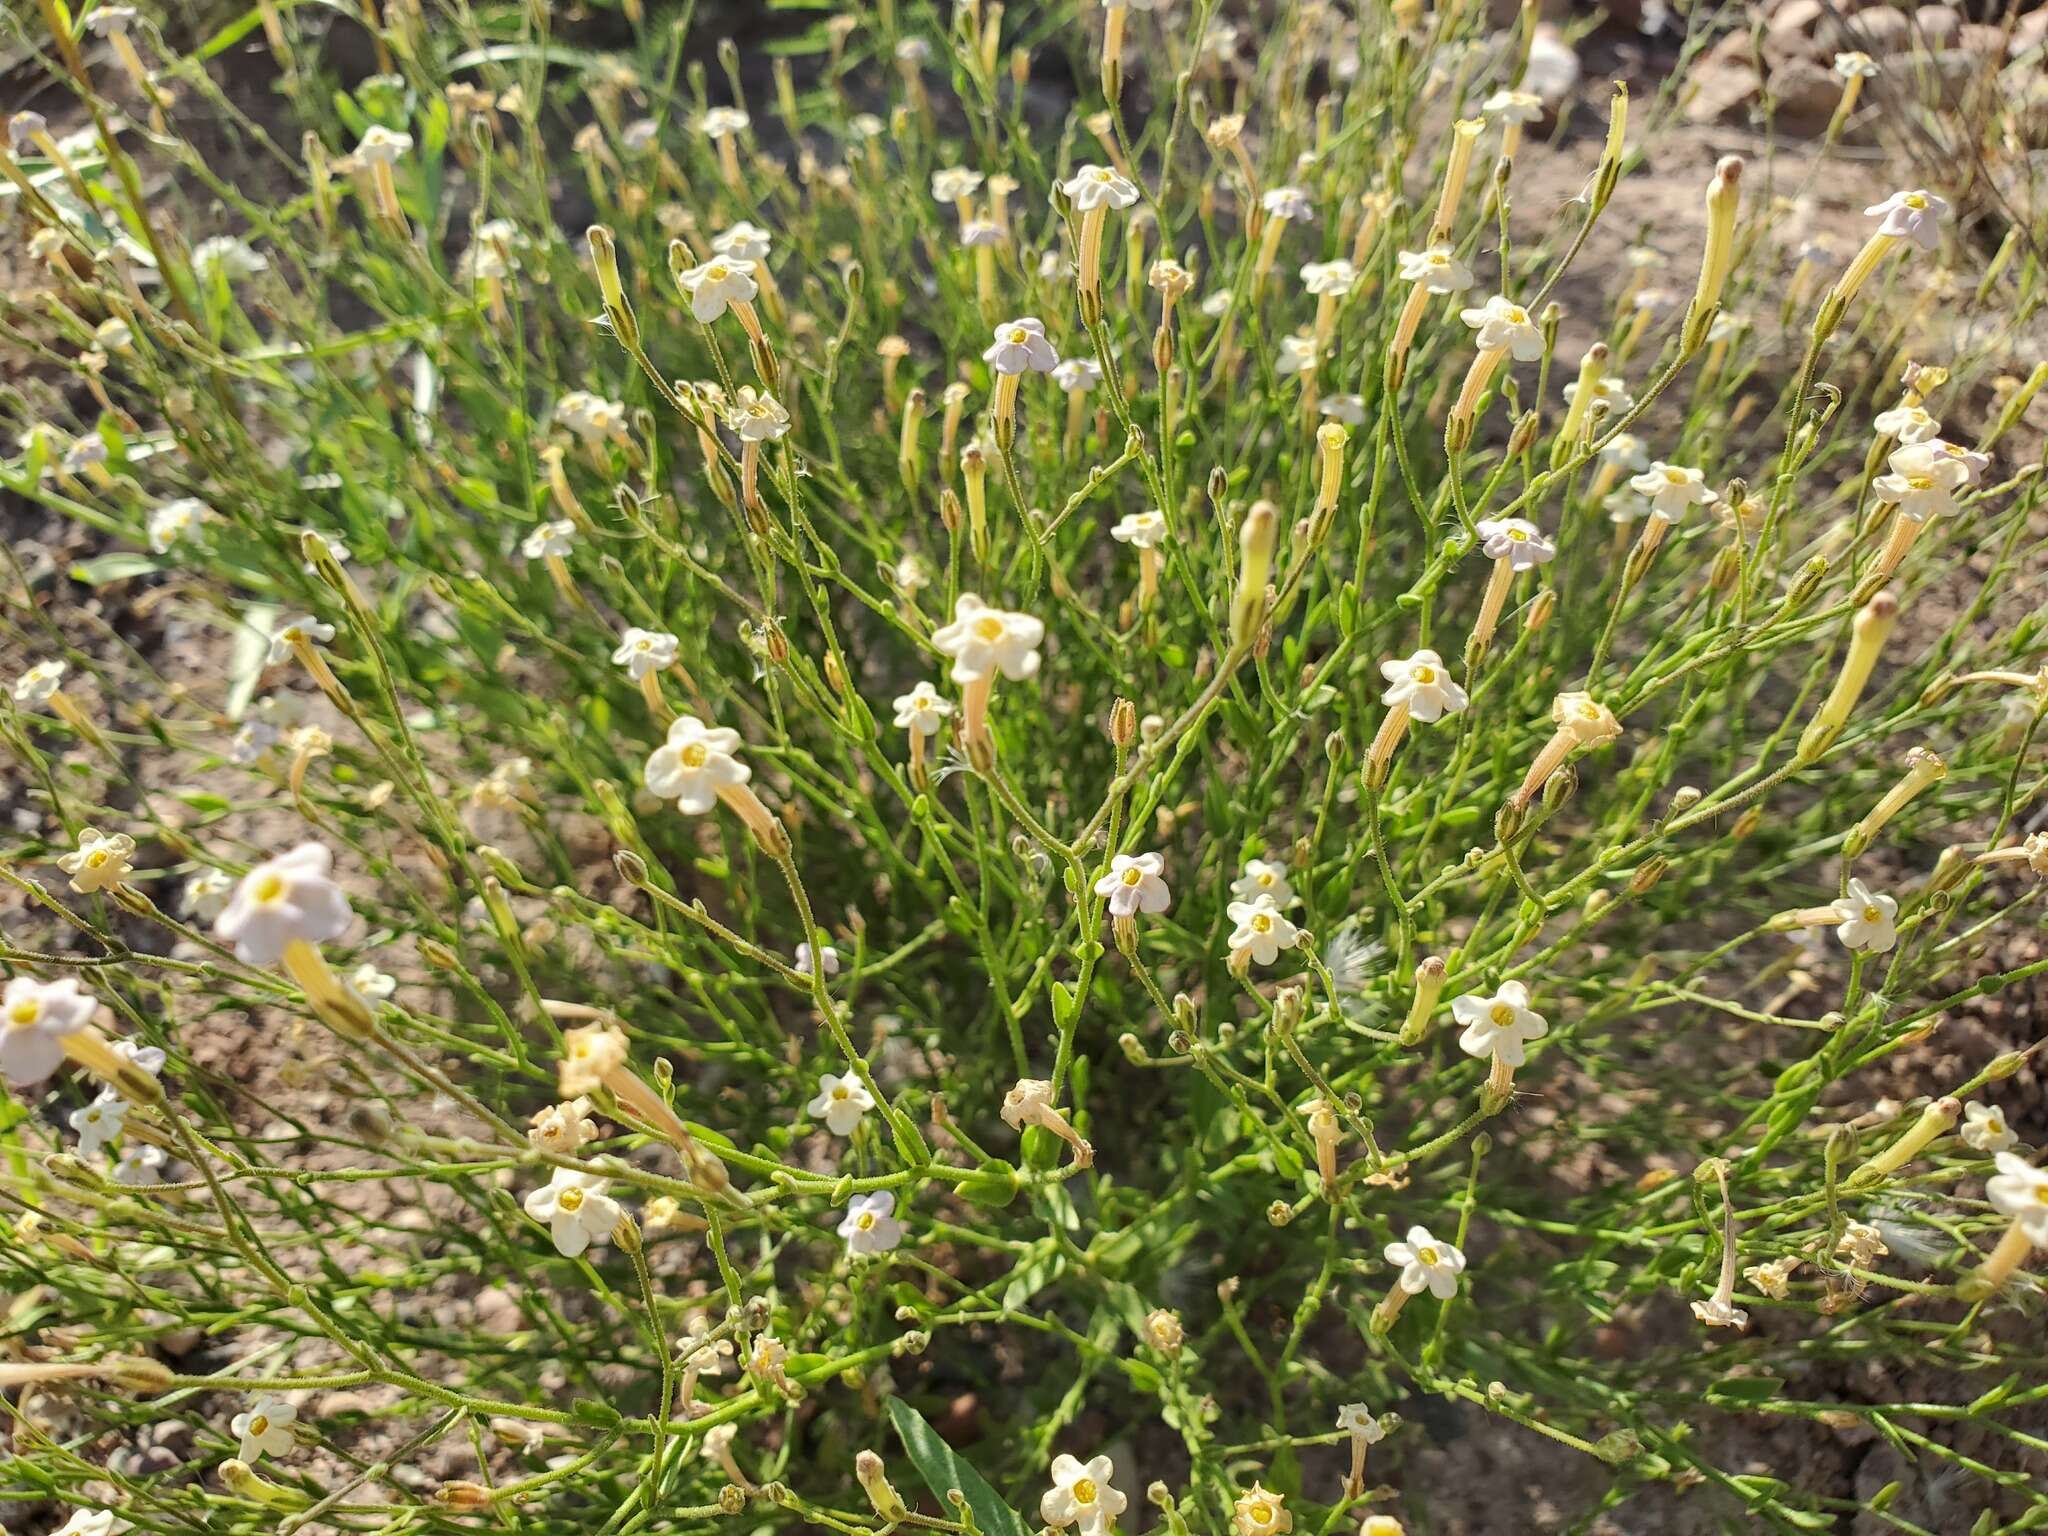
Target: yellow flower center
{"points": [[1674, 477], [1424, 674], [570, 1200], [2041, 1194], [716, 272], [268, 890], [1265, 880], [1018, 335], [25, 1012], [96, 858], [865, 1221], [841, 1093], [1518, 534], [694, 755], [1502, 1015], [1915, 200], [1084, 1490], [1262, 1512], [1516, 316], [1428, 1255], [1261, 923], [1870, 914], [1134, 876], [260, 1425], [988, 628]]}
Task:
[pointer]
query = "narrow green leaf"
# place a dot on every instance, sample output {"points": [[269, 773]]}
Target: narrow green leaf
{"points": [[941, 1468]]}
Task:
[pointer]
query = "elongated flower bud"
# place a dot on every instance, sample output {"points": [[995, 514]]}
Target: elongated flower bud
{"points": [[1255, 565], [1867, 635], [1724, 202]]}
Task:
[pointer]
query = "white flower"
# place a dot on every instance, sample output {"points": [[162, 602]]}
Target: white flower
{"points": [[1262, 930], [1513, 106], [1146, 530], [1334, 278], [1078, 375], [694, 764], [100, 862], [641, 651], [1297, 354], [148, 1057], [1349, 409], [549, 540], [1625, 452], [869, 1226], [289, 897], [1424, 685], [1437, 269], [922, 710], [289, 633], [564, 1128], [1861, 1243], [1426, 1264], [1775, 1278], [1288, 203], [1020, 347], [139, 1167], [1097, 186], [827, 954], [1855, 65], [1625, 506], [1133, 885], [756, 415], [1263, 879], [35, 1016], [1501, 322], [717, 285], [206, 894], [982, 640], [977, 232], [1908, 423], [99, 1122], [251, 741], [1259, 1511], [1865, 919], [369, 982], [1717, 1313], [172, 521], [39, 682], [1610, 390], [93, 1522], [1916, 215], [1356, 1419], [1923, 480], [1984, 1128], [591, 417], [576, 1209], [1672, 488], [229, 257], [266, 1426], [1081, 1496], [743, 242], [1217, 304], [842, 1101], [723, 122], [1500, 1026], [1515, 540], [955, 182], [383, 146], [2021, 1193]]}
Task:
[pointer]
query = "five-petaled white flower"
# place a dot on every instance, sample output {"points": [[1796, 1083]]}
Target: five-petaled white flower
{"points": [[93, 1522], [1610, 390], [1288, 203], [1915, 215], [1357, 1419], [1097, 186], [756, 416], [1133, 884], [292, 631], [1716, 1312], [827, 955], [694, 763], [1426, 1264], [1262, 931], [1923, 481], [1515, 540], [1261, 878], [743, 242], [1502, 323], [717, 285], [551, 540], [1020, 347], [1331, 278], [207, 893], [2021, 1193], [383, 146], [1297, 354], [35, 1016], [1082, 1496], [641, 651], [576, 1209], [1864, 919], [955, 182], [172, 521], [1624, 451], [292, 896], [1984, 1128], [1909, 424], [1437, 269], [1349, 409], [1078, 375], [1672, 488], [1424, 684], [1500, 1026], [1855, 65], [922, 710], [982, 640], [265, 1427], [1861, 1243], [39, 683], [100, 861], [139, 1167], [1145, 530], [722, 122], [841, 1100], [870, 1225], [1513, 106], [99, 1122]]}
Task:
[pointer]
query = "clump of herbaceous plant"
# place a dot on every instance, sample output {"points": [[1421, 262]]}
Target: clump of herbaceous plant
{"points": [[975, 767]]}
